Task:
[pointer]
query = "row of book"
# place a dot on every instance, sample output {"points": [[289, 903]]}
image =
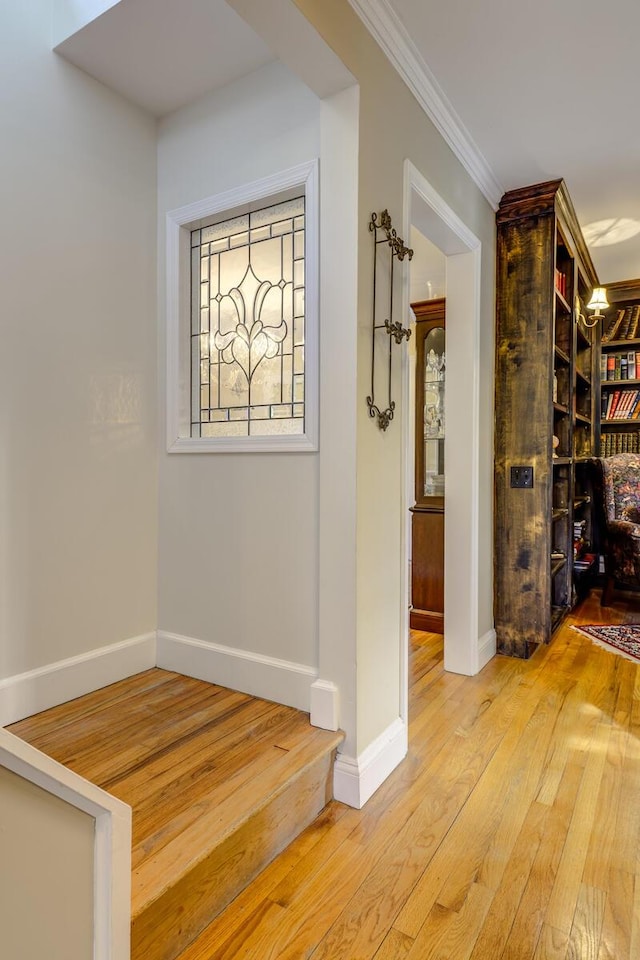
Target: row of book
{"points": [[561, 283], [625, 325], [620, 405], [620, 366], [616, 442]]}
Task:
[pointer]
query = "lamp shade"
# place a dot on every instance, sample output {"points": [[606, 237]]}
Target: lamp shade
{"points": [[598, 299]]}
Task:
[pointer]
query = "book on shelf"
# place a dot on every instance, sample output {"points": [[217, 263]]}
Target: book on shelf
{"points": [[625, 407], [618, 412], [620, 405], [604, 403], [614, 325], [620, 366], [583, 562], [561, 283], [614, 399], [625, 325], [618, 442]]}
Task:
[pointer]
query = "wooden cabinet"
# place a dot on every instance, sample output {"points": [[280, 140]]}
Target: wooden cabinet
{"points": [[544, 415], [427, 522], [620, 371]]}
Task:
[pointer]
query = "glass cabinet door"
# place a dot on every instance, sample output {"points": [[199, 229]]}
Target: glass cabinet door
{"points": [[433, 412], [430, 381]]}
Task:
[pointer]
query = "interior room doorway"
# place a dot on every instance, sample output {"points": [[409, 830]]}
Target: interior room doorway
{"points": [[428, 213], [427, 375]]}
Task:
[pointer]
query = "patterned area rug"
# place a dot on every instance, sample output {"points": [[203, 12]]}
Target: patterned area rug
{"points": [[622, 638]]}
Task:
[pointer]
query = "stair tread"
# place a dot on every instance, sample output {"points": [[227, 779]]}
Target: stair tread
{"points": [[216, 817], [196, 762]]}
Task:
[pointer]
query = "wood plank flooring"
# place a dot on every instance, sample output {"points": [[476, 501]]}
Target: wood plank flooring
{"points": [[219, 783], [510, 831]]}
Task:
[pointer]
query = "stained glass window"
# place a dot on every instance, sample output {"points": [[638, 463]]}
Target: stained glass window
{"points": [[248, 324]]}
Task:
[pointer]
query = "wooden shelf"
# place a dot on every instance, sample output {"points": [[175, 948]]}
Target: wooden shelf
{"points": [[619, 434], [619, 344], [538, 237], [619, 384]]}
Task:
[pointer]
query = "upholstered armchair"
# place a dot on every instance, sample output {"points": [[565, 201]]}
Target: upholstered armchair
{"points": [[618, 500]]}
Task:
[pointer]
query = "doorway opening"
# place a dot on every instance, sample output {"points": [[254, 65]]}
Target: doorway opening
{"points": [[430, 215]]}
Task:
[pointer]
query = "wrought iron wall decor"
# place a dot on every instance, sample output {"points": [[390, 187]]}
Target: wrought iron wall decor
{"points": [[384, 233]]}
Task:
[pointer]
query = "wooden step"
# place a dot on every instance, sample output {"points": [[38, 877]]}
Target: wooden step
{"points": [[219, 783]]}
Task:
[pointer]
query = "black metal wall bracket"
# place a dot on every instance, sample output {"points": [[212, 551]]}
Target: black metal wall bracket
{"points": [[383, 233]]}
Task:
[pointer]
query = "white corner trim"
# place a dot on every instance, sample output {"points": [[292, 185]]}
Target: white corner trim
{"points": [[355, 779], [280, 680], [112, 844], [388, 31], [27, 693], [325, 705], [487, 648]]}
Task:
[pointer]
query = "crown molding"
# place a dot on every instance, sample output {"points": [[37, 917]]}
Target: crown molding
{"points": [[390, 34]]}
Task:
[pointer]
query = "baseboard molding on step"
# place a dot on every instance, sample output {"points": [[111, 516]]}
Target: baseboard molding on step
{"points": [[24, 694], [253, 673], [355, 779]]}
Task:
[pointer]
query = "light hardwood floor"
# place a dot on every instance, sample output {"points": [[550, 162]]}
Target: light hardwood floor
{"points": [[510, 831]]}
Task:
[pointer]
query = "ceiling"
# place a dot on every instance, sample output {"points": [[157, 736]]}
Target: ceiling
{"points": [[545, 90], [532, 91], [163, 54]]}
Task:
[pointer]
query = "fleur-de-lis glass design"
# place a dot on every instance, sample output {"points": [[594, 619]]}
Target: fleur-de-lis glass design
{"points": [[250, 342]]}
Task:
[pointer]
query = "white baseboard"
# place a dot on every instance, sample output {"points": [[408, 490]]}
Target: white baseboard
{"points": [[267, 677], [324, 705], [355, 779], [27, 693], [486, 648]]}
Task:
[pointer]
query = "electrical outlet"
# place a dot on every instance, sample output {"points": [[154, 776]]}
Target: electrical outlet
{"points": [[522, 477]]}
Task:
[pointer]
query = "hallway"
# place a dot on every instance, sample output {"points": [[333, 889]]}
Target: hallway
{"points": [[511, 829]]}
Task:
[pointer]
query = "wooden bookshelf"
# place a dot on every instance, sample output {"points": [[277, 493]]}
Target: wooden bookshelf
{"points": [[546, 378], [619, 371]]}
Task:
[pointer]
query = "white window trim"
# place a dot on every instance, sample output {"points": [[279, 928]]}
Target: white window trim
{"points": [[179, 224]]}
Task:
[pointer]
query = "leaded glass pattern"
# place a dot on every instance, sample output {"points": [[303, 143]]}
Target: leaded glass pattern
{"points": [[248, 324]]}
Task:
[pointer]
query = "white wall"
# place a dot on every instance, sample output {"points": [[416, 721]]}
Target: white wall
{"points": [[78, 355], [238, 540], [46, 879], [392, 128]]}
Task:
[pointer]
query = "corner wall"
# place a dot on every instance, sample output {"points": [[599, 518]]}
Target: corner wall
{"points": [[78, 359], [238, 540], [392, 128]]}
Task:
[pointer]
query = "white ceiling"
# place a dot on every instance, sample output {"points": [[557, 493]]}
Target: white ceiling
{"points": [[163, 54], [538, 90], [546, 89]]}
